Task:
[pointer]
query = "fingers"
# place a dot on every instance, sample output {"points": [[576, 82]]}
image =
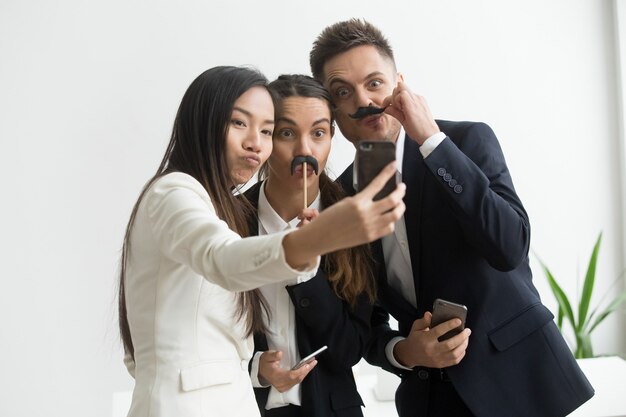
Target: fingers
{"points": [[392, 200], [455, 349], [308, 214], [385, 223], [300, 373], [446, 326], [387, 211], [289, 379]]}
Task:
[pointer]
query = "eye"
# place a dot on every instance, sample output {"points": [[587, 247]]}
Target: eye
{"points": [[267, 132], [237, 122], [342, 92], [319, 133], [375, 83], [286, 134]]}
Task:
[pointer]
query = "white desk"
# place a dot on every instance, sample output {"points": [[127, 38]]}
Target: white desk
{"points": [[608, 377]]}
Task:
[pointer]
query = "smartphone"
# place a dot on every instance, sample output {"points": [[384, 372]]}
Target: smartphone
{"points": [[445, 310], [309, 358], [371, 158]]}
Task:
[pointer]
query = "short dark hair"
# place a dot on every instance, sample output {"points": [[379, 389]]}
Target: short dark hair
{"points": [[342, 36]]}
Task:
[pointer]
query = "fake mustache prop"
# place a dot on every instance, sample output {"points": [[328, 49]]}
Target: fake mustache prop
{"points": [[362, 112], [304, 159], [298, 160]]}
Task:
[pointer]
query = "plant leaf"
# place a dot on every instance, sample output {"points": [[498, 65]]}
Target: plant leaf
{"points": [[613, 305], [590, 277], [586, 350], [564, 306], [604, 296]]}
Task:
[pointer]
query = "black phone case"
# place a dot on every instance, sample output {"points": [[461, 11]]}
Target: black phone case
{"points": [[371, 158], [445, 310]]}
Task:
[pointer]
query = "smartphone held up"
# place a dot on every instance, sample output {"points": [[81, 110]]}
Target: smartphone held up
{"points": [[446, 310], [309, 358], [371, 158]]}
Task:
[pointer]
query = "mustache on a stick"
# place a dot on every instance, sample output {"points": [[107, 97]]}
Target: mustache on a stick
{"points": [[303, 160], [298, 160]]}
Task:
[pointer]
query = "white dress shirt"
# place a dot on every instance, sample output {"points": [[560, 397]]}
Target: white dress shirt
{"points": [[396, 245], [282, 325]]}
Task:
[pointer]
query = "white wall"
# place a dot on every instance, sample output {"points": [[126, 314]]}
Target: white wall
{"points": [[88, 93]]}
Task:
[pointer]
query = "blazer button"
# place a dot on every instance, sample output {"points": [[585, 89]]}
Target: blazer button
{"points": [[452, 183], [441, 172], [422, 374], [305, 302], [447, 177], [458, 189]]}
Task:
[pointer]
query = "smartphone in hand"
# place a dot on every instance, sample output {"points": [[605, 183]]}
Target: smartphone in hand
{"points": [[371, 158], [445, 310], [309, 358]]}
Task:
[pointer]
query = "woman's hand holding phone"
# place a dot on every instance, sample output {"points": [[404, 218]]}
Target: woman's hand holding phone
{"points": [[271, 372], [350, 222]]}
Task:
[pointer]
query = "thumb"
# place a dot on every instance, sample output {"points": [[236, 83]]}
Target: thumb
{"points": [[423, 323]]}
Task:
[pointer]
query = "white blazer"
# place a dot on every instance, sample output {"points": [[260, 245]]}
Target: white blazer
{"points": [[184, 269]]}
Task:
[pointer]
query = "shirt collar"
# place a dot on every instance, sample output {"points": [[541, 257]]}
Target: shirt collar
{"points": [[270, 221]]}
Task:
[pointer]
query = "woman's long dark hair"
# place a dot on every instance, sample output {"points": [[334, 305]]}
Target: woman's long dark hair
{"points": [[349, 270], [198, 148]]}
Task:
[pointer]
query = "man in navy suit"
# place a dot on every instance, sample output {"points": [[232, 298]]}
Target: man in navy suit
{"points": [[464, 238]]}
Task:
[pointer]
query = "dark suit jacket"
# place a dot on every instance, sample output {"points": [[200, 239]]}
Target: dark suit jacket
{"points": [[322, 318], [469, 237]]}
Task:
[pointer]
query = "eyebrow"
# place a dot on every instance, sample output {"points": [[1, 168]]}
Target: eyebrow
{"points": [[341, 80], [292, 122], [247, 113]]}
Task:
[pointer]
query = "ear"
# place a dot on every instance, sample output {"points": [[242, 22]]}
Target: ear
{"points": [[400, 76], [332, 130]]}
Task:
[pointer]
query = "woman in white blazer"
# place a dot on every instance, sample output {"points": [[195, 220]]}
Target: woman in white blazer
{"points": [[188, 302]]}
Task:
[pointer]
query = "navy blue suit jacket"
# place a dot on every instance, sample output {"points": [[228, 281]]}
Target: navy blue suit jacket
{"points": [[322, 318], [469, 237]]}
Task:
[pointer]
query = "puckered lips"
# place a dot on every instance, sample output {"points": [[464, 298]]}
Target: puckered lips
{"points": [[252, 159]]}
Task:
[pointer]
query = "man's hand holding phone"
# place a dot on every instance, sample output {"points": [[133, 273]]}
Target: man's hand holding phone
{"points": [[423, 348]]}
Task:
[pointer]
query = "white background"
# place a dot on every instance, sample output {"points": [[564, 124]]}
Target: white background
{"points": [[88, 94]]}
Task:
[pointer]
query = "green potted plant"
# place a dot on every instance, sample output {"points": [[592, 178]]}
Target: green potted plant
{"points": [[584, 324]]}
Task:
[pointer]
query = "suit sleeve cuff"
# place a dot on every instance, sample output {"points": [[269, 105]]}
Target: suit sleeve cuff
{"points": [[431, 143], [254, 371], [389, 353]]}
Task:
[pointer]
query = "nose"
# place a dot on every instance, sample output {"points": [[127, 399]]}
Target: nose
{"points": [[252, 141], [362, 98], [302, 147]]}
